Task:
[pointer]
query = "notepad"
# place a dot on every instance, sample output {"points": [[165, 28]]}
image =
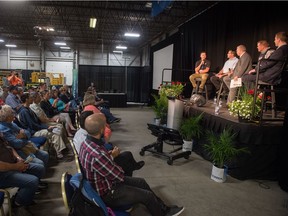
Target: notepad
{"points": [[235, 84]]}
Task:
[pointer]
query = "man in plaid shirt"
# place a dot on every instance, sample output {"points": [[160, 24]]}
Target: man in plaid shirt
{"points": [[108, 179]]}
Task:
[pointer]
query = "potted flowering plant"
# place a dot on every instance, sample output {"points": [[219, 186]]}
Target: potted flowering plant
{"points": [[171, 90], [242, 108]]}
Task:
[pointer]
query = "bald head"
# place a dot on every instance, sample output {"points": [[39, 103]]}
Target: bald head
{"points": [[95, 124]]}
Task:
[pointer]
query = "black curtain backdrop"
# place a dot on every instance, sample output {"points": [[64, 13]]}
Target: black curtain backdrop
{"points": [[225, 26], [112, 79], [219, 29]]}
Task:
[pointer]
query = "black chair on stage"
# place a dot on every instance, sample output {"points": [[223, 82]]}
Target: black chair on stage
{"points": [[269, 89], [168, 136]]}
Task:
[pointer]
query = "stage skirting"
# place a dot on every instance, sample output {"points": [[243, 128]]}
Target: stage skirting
{"points": [[261, 141]]}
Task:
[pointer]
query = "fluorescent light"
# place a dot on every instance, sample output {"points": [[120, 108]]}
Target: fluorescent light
{"points": [[118, 51], [50, 29], [1, 41], [60, 43], [65, 48], [121, 47], [131, 34], [92, 22], [10, 45]]}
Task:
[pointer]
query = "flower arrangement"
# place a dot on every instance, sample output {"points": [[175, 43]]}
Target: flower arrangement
{"points": [[173, 89], [243, 108]]}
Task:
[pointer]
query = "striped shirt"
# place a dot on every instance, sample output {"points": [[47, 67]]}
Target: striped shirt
{"points": [[100, 169]]}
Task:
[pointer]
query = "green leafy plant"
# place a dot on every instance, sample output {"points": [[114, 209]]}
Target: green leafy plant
{"points": [[221, 147], [173, 89], [243, 107], [190, 128], [160, 106]]}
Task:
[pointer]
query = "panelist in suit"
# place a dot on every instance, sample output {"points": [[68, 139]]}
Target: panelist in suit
{"points": [[270, 69], [244, 65]]}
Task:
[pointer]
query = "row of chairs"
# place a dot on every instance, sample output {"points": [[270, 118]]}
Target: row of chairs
{"points": [[69, 183]]}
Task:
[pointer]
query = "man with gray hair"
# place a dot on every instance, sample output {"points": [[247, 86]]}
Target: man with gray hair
{"points": [[244, 65], [108, 179]]}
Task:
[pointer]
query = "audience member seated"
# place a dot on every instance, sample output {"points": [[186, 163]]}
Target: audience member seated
{"points": [[58, 103], [66, 97], [53, 113], [243, 66], [12, 98], [270, 68], [228, 66], [36, 108], [202, 68], [123, 159], [5, 92], [108, 179], [28, 120], [17, 137], [99, 101], [90, 100], [15, 172]]}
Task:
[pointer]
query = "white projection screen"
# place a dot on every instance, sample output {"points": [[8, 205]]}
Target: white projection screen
{"points": [[162, 59]]}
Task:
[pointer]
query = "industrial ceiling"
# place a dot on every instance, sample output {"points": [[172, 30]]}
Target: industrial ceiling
{"points": [[26, 22]]}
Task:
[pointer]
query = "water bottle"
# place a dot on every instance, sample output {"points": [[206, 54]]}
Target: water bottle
{"points": [[29, 158], [217, 108], [220, 103], [215, 100]]}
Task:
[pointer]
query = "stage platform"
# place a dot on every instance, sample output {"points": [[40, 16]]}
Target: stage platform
{"points": [[262, 141]]}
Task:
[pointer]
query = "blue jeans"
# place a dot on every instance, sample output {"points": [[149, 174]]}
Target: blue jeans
{"points": [[26, 182], [41, 158], [107, 114]]}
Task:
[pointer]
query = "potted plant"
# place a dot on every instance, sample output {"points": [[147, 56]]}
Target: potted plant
{"points": [[221, 150], [160, 108], [190, 129], [243, 106]]}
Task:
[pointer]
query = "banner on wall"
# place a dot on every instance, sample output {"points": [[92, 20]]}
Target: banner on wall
{"points": [[75, 83]]}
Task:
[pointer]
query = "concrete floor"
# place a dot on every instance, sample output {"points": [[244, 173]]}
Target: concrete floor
{"points": [[186, 183]]}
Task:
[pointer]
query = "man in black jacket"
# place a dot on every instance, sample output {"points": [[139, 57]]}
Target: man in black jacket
{"points": [[270, 69]]}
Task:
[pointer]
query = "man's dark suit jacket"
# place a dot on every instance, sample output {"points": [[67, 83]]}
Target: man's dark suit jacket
{"points": [[270, 69], [244, 65]]}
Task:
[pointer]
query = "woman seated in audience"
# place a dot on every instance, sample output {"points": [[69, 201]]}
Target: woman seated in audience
{"points": [[102, 106], [89, 105], [66, 97], [53, 113], [124, 159]]}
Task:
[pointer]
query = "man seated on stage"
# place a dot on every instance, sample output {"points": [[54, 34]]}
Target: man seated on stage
{"points": [[244, 65], [229, 65], [202, 68], [270, 69], [108, 179]]}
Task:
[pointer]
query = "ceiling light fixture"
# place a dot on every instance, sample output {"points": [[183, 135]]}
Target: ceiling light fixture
{"points": [[10, 45], [128, 34], [92, 23], [121, 47], [118, 51], [65, 48], [1, 41], [60, 43]]}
